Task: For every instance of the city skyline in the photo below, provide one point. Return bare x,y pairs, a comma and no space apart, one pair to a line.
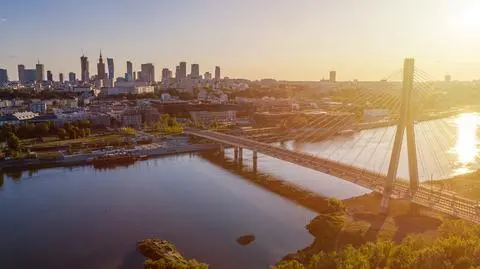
285,41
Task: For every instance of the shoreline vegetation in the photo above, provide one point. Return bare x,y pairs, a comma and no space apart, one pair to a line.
466,185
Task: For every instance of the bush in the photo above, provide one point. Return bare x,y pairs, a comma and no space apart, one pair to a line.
335,206
458,247
293,264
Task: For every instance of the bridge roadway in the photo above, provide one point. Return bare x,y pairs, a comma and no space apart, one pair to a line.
434,199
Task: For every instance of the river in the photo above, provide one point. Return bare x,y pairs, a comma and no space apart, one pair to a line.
86,218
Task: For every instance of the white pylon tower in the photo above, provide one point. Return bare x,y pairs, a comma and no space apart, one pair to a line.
405,123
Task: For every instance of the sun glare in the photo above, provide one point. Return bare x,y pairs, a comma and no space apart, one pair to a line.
466,145
468,21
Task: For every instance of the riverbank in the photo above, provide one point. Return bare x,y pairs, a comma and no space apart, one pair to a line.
361,226
467,186
150,151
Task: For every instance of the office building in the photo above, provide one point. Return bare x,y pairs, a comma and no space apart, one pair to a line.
71,77
217,73
38,107
333,76
21,73
195,71
40,76
166,74
30,75
85,74
177,72
130,76
207,76
111,69
228,117
139,76
148,73
100,68
60,77
183,70
49,76
3,76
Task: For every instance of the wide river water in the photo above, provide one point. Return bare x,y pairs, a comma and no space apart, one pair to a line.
86,218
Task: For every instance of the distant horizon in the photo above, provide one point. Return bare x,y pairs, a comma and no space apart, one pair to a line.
363,40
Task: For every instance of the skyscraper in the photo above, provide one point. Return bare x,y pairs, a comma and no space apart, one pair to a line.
40,76
177,72
448,78
85,75
333,76
148,73
21,73
195,71
130,71
111,69
139,76
165,74
3,76
100,68
71,77
183,70
60,77
30,75
49,76
217,73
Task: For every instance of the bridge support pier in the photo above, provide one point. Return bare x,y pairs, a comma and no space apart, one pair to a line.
221,150
240,156
235,154
254,158
405,123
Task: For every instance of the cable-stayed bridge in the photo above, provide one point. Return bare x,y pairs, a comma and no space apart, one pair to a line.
408,107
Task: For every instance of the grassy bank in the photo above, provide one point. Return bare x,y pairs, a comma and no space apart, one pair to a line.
467,185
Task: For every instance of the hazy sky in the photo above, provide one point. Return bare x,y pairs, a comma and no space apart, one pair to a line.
282,39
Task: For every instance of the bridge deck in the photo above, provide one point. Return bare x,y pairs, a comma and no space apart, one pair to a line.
435,199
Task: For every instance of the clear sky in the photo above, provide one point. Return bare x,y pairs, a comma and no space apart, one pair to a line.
282,39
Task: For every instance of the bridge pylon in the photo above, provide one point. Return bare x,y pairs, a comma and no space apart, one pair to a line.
405,125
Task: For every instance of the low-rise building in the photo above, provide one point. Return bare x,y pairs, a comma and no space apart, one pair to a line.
17,117
127,90
5,103
38,107
150,115
132,118
228,117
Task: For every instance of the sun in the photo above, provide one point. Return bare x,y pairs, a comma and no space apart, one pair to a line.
468,20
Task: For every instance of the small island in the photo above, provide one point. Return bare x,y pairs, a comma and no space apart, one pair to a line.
161,254
246,239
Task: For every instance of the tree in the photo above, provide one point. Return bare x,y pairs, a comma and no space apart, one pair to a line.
293,264
13,142
41,129
323,260
83,133
335,206
72,134
62,134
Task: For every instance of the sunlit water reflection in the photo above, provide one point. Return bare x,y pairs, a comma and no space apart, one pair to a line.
445,148
466,147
